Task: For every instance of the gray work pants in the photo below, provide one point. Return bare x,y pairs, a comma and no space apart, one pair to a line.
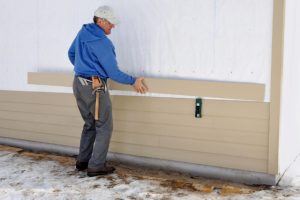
96,134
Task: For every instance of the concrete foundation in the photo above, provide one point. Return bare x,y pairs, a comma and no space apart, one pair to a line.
196,170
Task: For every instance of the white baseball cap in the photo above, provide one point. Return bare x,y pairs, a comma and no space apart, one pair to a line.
107,13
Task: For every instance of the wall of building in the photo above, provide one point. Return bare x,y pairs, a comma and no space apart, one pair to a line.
228,40
220,40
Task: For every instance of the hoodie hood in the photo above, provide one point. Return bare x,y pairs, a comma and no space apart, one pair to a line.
91,32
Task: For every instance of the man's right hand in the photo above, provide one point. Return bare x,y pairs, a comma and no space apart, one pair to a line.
140,86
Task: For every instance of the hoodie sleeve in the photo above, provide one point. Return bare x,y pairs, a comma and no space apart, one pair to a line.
71,52
106,56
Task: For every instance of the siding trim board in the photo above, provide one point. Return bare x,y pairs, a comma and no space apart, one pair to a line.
217,89
276,82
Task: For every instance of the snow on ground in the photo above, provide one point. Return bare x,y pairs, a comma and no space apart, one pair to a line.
28,175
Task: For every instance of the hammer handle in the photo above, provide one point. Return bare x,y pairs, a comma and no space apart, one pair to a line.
97,106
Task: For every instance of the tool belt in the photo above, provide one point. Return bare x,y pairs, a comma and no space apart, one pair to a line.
98,85
95,81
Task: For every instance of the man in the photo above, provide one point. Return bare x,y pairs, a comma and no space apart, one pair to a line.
94,60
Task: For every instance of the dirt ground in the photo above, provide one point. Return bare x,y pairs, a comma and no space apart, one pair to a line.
156,184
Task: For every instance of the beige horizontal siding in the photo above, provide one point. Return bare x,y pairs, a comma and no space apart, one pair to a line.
39,137
224,123
61,110
240,137
41,118
50,129
258,165
231,134
43,98
215,147
229,90
246,109
234,129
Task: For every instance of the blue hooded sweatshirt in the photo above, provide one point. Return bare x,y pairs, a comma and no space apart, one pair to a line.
92,53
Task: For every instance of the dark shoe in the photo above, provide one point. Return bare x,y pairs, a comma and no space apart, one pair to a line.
102,171
81,165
